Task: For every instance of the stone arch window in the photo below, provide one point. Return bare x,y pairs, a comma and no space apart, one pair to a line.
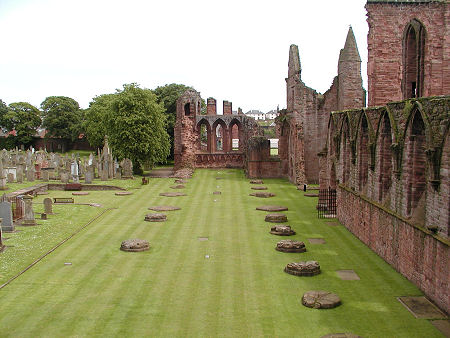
204,131
219,136
384,157
413,59
187,109
345,153
332,180
199,108
414,163
363,153
235,135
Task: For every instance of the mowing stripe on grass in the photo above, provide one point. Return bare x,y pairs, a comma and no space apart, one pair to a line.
53,249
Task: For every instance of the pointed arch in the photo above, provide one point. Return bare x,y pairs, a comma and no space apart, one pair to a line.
345,153
204,135
414,162
220,137
384,160
236,134
363,152
413,59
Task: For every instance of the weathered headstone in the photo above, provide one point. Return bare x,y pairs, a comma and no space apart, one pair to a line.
6,216
28,218
30,174
88,176
48,206
64,177
10,178
45,175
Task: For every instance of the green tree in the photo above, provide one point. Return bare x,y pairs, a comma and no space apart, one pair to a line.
24,119
94,122
62,117
136,127
3,111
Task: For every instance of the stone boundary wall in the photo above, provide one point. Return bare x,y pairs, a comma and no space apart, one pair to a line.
418,254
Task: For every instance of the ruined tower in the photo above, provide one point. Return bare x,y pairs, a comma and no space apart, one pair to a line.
351,93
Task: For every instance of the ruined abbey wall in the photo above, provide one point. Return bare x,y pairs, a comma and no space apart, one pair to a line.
390,166
205,141
302,128
388,49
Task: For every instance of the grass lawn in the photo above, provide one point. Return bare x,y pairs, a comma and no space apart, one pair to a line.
174,290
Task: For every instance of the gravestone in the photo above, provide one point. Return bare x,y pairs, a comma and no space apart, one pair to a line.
30,174
10,178
6,216
45,176
19,174
88,177
64,177
28,218
48,206
127,166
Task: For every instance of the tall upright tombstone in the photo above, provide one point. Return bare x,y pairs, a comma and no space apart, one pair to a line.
88,176
48,206
6,216
2,177
28,218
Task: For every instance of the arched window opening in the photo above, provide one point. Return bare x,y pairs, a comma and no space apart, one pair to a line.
363,153
345,154
415,163
413,60
333,177
187,109
384,158
235,135
219,138
204,139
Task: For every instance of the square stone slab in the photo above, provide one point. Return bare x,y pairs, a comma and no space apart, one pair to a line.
443,326
333,223
316,240
202,239
421,307
347,275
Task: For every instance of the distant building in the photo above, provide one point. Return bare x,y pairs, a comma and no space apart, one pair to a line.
259,115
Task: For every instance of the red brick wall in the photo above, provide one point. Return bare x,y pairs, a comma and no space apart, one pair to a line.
227,108
387,24
211,108
415,253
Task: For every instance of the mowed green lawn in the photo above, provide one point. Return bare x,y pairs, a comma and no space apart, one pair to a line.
174,290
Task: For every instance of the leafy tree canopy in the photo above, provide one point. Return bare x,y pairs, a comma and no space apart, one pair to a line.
136,126
3,111
24,119
95,115
62,117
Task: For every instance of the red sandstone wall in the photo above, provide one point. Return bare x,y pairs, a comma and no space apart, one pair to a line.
387,23
415,253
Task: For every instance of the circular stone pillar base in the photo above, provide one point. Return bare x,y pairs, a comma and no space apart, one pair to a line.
307,269
287,245
134,245
320,300
282,230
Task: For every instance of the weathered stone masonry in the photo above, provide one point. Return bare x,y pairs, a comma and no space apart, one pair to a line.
205,141
391,168
408,42
302,128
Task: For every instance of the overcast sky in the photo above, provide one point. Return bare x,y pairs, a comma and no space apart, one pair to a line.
230,50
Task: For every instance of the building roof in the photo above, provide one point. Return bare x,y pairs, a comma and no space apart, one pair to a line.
405,1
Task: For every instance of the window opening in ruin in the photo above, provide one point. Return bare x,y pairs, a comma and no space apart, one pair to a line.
413,60
219,138
384,158
187,109
415,163
363,153
204,141
235,130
